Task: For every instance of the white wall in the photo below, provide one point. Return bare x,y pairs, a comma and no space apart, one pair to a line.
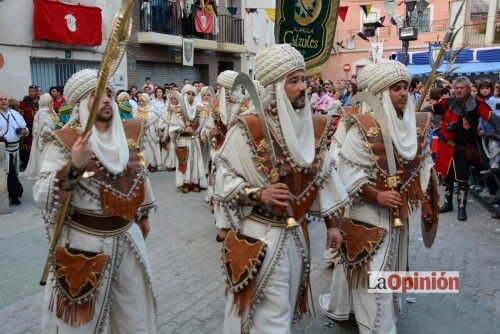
17,44
256,43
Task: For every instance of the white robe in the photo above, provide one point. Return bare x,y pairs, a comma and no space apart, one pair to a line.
283,268
195,172
124,302
44,122
153,127
374,312
168,157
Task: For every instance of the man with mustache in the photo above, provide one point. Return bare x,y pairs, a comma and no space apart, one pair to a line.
254,195
101,256
458,148
371,241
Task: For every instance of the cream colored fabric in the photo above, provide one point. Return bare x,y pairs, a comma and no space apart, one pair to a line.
226,79
277,61
123,97
110,147
378,77
374,312
403,131
153,128
43,123
80,84
131,308
235,170
296,126
188,88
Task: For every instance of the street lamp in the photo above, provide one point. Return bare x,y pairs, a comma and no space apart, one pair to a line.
410,33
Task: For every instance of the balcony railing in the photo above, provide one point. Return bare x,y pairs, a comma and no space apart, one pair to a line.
167,19
474,34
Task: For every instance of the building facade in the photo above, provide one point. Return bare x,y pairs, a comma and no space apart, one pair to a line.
25,61
479,21
156,47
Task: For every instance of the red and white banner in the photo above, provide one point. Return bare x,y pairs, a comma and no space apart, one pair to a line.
67,23
204,22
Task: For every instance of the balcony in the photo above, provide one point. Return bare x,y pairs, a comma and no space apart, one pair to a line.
165,26
475,33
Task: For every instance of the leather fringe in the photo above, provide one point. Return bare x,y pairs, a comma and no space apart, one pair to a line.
73,313
411,196
120,206
357,276
243,298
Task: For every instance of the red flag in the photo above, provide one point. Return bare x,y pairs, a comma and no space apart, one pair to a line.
67,23
204,22
343,12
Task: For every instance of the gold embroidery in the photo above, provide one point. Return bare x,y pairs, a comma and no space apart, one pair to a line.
263,146
368,145
274,175
373,132
132,144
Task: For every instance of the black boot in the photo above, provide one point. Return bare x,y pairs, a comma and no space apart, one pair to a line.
448,200
462,203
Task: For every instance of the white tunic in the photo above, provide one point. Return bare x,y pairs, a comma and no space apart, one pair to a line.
374,312
45,121
124,302
283,270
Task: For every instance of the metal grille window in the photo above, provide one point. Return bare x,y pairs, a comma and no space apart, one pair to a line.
46,73
421,20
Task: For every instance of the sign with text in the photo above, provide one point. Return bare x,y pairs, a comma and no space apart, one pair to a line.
309,26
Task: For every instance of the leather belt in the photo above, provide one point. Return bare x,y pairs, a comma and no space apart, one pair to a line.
265,216
98,224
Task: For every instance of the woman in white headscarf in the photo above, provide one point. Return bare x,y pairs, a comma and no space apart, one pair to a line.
153,130
45,121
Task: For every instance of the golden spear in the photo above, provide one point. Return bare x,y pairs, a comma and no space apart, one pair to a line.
112,57
445,45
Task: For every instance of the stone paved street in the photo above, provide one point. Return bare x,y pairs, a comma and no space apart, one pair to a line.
189,282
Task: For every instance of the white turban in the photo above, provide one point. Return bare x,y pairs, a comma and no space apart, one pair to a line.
45,101
188,88
110,146
379,77
80,84
226,79
277,61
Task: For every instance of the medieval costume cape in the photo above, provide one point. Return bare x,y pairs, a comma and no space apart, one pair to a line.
153,127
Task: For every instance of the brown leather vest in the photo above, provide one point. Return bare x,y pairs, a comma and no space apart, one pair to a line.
407,171
303,184
120,194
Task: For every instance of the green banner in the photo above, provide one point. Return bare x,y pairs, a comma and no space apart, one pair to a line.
309,26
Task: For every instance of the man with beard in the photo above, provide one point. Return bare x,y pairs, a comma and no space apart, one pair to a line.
12,129
458,148
371,239
100,280
257,199
29,106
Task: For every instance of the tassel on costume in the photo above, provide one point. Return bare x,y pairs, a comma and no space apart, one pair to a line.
120,206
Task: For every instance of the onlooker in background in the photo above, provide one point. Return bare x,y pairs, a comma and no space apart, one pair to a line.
187,82
15,105
12,128
352,89
174,87
146,15
148,84
323,103
414,88
158,103
354,79
328,86
473,90
57,97
29,106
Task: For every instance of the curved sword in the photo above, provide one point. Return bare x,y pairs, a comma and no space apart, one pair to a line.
244,81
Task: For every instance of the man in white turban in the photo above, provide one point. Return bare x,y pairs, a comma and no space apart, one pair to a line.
254,196
184,129
45,121
100,280
372,239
